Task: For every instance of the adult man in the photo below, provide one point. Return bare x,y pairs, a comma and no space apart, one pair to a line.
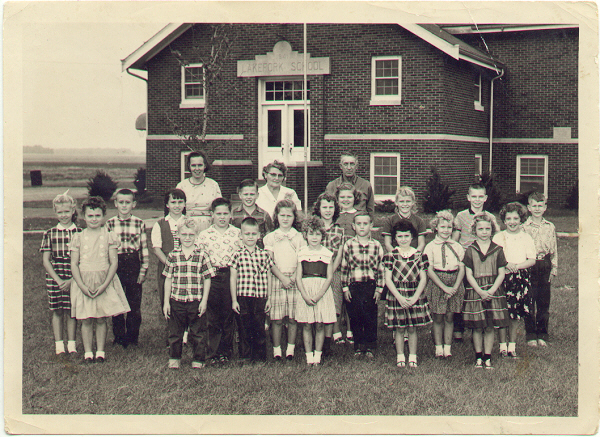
349,164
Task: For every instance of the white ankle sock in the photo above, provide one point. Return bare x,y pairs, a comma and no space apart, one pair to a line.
276,351
349,334
447,349
337,335
87,355
317,355
60,346
100,354
310,358
412,357
503,347
400,358
512,347
290,349
71,346
439,349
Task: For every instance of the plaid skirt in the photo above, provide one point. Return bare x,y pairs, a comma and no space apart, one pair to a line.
438,300
398,317
492,313
336,289
283,301
518,296
57,298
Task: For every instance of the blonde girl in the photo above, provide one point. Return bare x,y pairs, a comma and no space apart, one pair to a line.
57,262
96,292
406,208
313,276
445,291
520,252
485,300
283,244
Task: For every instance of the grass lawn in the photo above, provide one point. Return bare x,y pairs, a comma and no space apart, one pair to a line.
136,380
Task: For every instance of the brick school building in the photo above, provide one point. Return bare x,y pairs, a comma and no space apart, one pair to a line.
403,98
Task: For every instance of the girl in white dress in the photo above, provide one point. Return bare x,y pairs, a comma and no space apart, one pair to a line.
313,276
96,292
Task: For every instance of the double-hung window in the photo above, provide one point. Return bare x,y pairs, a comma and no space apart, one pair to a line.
477,93
532,173
385,175
192,86
386,80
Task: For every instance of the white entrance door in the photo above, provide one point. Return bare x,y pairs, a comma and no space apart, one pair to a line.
281,122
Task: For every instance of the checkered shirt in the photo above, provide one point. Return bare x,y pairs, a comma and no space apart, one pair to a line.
265,224
219,246
132,233
334,237
361,263
253,270
57,239
188,274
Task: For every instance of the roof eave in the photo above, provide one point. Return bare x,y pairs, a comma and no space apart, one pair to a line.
138,59
463,30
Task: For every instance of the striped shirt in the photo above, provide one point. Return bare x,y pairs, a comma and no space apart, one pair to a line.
132,233
188,273
361,263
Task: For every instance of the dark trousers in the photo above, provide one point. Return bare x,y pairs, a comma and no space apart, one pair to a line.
184,315
253,340
161,298
536,322
126,327
220,316
362,310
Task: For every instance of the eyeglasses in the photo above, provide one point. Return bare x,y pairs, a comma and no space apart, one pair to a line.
276,175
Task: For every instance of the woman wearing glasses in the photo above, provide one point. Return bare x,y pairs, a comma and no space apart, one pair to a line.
272,192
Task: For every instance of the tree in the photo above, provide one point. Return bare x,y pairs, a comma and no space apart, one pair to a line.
437,196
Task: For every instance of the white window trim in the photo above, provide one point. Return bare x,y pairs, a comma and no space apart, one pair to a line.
191,103
184,154
546,176
480,156
381,197
385,100
477,103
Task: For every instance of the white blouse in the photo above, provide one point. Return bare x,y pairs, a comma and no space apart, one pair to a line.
267,201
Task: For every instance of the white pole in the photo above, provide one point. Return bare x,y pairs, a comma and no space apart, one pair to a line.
304,97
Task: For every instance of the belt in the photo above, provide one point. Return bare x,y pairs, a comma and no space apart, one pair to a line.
446,271
223,270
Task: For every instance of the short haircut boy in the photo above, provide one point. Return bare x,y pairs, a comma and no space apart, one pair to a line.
537,196
249,221
220,201
126,192
363,214
477,186
247,183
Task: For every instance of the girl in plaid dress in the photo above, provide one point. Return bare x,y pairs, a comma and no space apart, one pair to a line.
283,244
57,262
485,299
520,253
445,291
96,292
405,277
327,208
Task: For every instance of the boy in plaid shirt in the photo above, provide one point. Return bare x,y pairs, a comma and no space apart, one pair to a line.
187,283
362,283
250,288
133,264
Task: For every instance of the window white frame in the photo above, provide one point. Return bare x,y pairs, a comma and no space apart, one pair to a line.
477,103
381,197
519,174
184,171
192,102
478,164
385,99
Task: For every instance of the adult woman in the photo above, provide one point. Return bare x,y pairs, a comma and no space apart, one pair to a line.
199,190
272,192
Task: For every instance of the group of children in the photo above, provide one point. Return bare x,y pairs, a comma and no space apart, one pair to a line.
247,266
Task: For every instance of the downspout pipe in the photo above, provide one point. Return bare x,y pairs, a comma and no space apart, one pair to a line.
492,115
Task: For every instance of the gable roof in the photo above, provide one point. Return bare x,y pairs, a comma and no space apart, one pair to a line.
431,33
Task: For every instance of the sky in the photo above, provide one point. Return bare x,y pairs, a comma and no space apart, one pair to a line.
74,92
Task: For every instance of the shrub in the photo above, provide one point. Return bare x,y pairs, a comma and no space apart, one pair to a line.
494,201
573,197
140,181
438,194
102,184
385,206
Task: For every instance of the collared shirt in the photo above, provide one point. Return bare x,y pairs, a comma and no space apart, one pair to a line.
253,270
463,222
220,246
285,247
265,223
544,238
361,263
366,201
156,235
188,273
56,240
132,233
405,267
449,259
484,264
417,222
334,238
199,196
267,201
517,247
345,220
